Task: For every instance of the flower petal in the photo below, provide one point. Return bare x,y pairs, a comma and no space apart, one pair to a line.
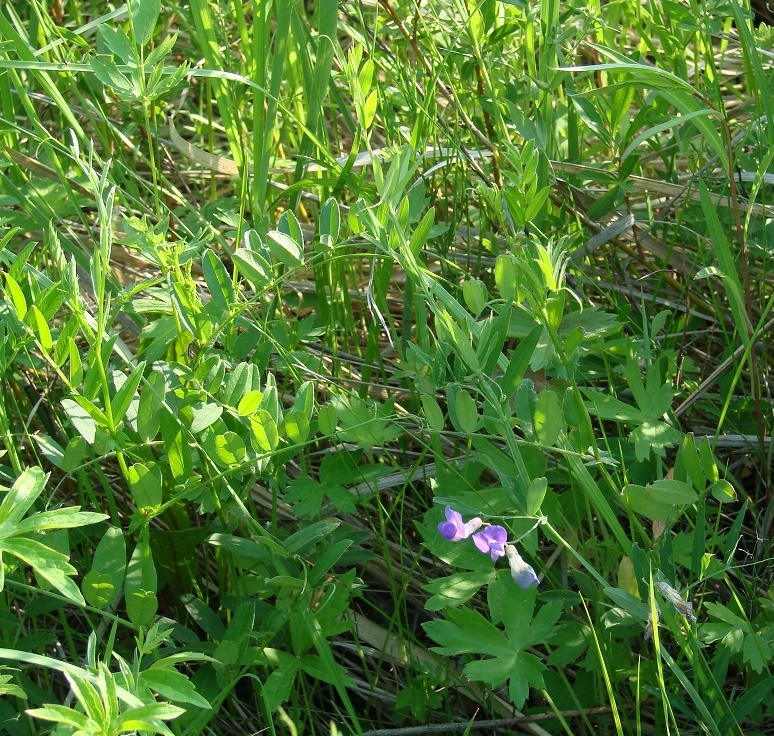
471,526
523,574
481,542
447,530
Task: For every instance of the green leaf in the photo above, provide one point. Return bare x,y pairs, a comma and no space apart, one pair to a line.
750,699
475,295
365,423
17,296
263,431
535,495
139,719
144,14
723,491
727,264
52,450
465,632
150,407
145,483
285,249
422,232
329,223
506,470
204,415
140,585
656,129
98,589
454,590
519,362
536,204
107,72
66,518
279,684
629,603
432,412
707,459
464,411
296,427
756,652
229,450
123,397
81,419
23,493
449,329
660,499
289,225
172,685
47,563
506,278
178,451
254,266
549,419
74,453
249,403
327,419
689,457
118,43
218,281
305,495
654,436
61,714
41,328
341,498
608,407
302,540
491,340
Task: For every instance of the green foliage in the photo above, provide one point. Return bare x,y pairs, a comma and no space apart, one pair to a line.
467,632
246,366
20,536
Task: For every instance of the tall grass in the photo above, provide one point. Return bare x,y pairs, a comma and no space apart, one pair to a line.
284,282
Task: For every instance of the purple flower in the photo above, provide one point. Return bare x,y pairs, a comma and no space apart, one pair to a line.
491,541
454,528
522,573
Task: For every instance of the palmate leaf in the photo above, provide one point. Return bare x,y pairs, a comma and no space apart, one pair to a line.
468,632
515,609
465,632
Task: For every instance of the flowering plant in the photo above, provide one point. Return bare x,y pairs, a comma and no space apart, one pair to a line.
454,529
492,540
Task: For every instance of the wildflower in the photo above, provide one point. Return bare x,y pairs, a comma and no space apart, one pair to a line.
522,573
491,541
454,528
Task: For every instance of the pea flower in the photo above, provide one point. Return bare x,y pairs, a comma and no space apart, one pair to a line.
454,529
522,573
491,541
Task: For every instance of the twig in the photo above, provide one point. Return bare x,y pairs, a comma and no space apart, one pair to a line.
480,725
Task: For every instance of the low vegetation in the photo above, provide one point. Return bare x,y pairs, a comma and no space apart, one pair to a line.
386,367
